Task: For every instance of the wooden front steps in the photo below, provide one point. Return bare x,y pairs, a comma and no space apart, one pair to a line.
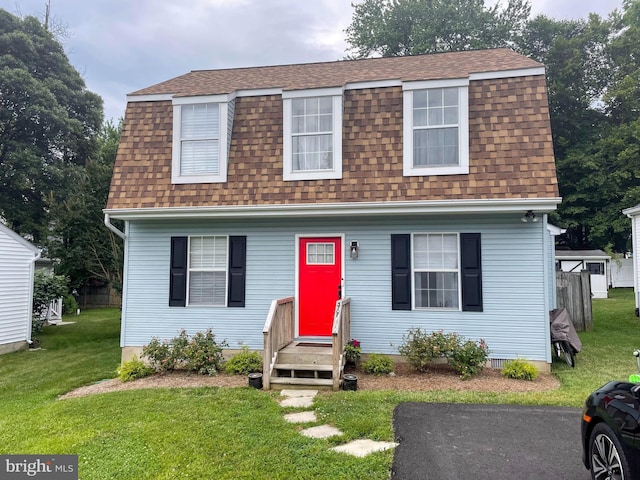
303,366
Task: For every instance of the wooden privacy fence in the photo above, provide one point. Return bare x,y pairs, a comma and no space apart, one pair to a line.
574,293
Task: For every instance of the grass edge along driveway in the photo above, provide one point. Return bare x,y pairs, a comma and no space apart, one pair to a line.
240,432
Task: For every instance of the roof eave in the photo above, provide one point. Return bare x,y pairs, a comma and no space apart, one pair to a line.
538,205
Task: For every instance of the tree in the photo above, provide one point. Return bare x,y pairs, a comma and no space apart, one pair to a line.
408,27
87,251
48,124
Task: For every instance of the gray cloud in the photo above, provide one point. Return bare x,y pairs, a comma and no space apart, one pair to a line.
122,45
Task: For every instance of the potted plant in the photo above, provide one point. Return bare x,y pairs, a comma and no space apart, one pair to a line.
352,352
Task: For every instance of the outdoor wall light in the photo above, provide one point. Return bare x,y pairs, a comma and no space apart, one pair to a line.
353,249
529,217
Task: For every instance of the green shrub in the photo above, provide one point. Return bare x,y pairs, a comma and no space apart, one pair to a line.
47,287
134,368
69,305
244,363
378,364
519,369
200,353
469,358
421,348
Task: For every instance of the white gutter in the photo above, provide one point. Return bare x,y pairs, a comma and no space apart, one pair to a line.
112,227
631,212
538,205
33,269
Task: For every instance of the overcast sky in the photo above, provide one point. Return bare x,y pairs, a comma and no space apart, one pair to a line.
120,46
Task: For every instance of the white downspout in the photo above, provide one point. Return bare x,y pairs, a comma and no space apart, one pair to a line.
33,269
112,227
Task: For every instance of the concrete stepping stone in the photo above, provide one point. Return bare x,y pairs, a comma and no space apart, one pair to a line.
298,398
362,448
297,402
298,393
302,417
322,431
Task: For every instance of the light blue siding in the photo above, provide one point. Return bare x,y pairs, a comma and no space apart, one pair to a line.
514,320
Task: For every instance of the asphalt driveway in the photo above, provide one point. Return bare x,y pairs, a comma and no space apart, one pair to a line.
492,442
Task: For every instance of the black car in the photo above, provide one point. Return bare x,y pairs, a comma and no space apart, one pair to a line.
611,432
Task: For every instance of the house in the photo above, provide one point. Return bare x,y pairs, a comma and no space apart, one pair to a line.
17,262
634,214
595,261
309,204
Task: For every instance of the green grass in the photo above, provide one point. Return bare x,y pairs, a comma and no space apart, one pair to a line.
238,432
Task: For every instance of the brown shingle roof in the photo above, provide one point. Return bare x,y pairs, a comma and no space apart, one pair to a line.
510,148
336,74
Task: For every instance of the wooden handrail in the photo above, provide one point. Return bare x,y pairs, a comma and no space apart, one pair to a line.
340,335
278,333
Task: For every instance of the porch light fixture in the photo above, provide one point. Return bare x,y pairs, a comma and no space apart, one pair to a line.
353,249
529,217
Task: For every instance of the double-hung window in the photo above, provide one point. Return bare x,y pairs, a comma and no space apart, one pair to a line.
208,270
436,270
436,127
201,127
312,134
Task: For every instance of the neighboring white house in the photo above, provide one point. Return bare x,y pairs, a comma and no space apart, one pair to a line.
634,214
17,259
596,261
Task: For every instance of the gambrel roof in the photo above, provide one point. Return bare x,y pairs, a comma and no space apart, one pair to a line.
510,145
340,73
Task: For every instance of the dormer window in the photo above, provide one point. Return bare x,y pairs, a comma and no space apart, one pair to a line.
201,129
312,134
436,127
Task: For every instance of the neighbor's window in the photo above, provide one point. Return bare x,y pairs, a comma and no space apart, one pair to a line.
436,270
436,135
312,135
595,268
200,139
208,270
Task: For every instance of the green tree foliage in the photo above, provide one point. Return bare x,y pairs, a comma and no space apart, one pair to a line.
48,123
405,27
46,288
87,250
593,76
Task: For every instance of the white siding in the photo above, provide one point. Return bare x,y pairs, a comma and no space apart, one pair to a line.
635,239
16,287
514,321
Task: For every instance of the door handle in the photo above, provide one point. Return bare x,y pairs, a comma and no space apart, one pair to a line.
339,291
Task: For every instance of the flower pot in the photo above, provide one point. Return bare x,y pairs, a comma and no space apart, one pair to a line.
255,380
349,382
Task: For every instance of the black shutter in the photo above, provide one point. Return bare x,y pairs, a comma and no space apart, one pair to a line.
178,272
237,270
401,272
471,272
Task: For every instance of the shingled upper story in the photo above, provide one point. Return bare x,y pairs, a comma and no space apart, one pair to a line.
442,127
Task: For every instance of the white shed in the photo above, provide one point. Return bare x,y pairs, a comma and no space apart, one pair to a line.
634,214
17,261
596,261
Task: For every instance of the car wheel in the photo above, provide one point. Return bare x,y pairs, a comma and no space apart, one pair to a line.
607,457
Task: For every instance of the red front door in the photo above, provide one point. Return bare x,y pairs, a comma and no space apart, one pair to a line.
319,281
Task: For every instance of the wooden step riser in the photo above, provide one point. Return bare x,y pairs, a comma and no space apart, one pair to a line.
305,358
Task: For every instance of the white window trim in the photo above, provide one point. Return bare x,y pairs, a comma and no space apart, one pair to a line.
223,110
226,273
413,273
336,171
463,128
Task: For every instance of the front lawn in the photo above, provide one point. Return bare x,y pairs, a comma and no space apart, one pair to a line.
238,432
